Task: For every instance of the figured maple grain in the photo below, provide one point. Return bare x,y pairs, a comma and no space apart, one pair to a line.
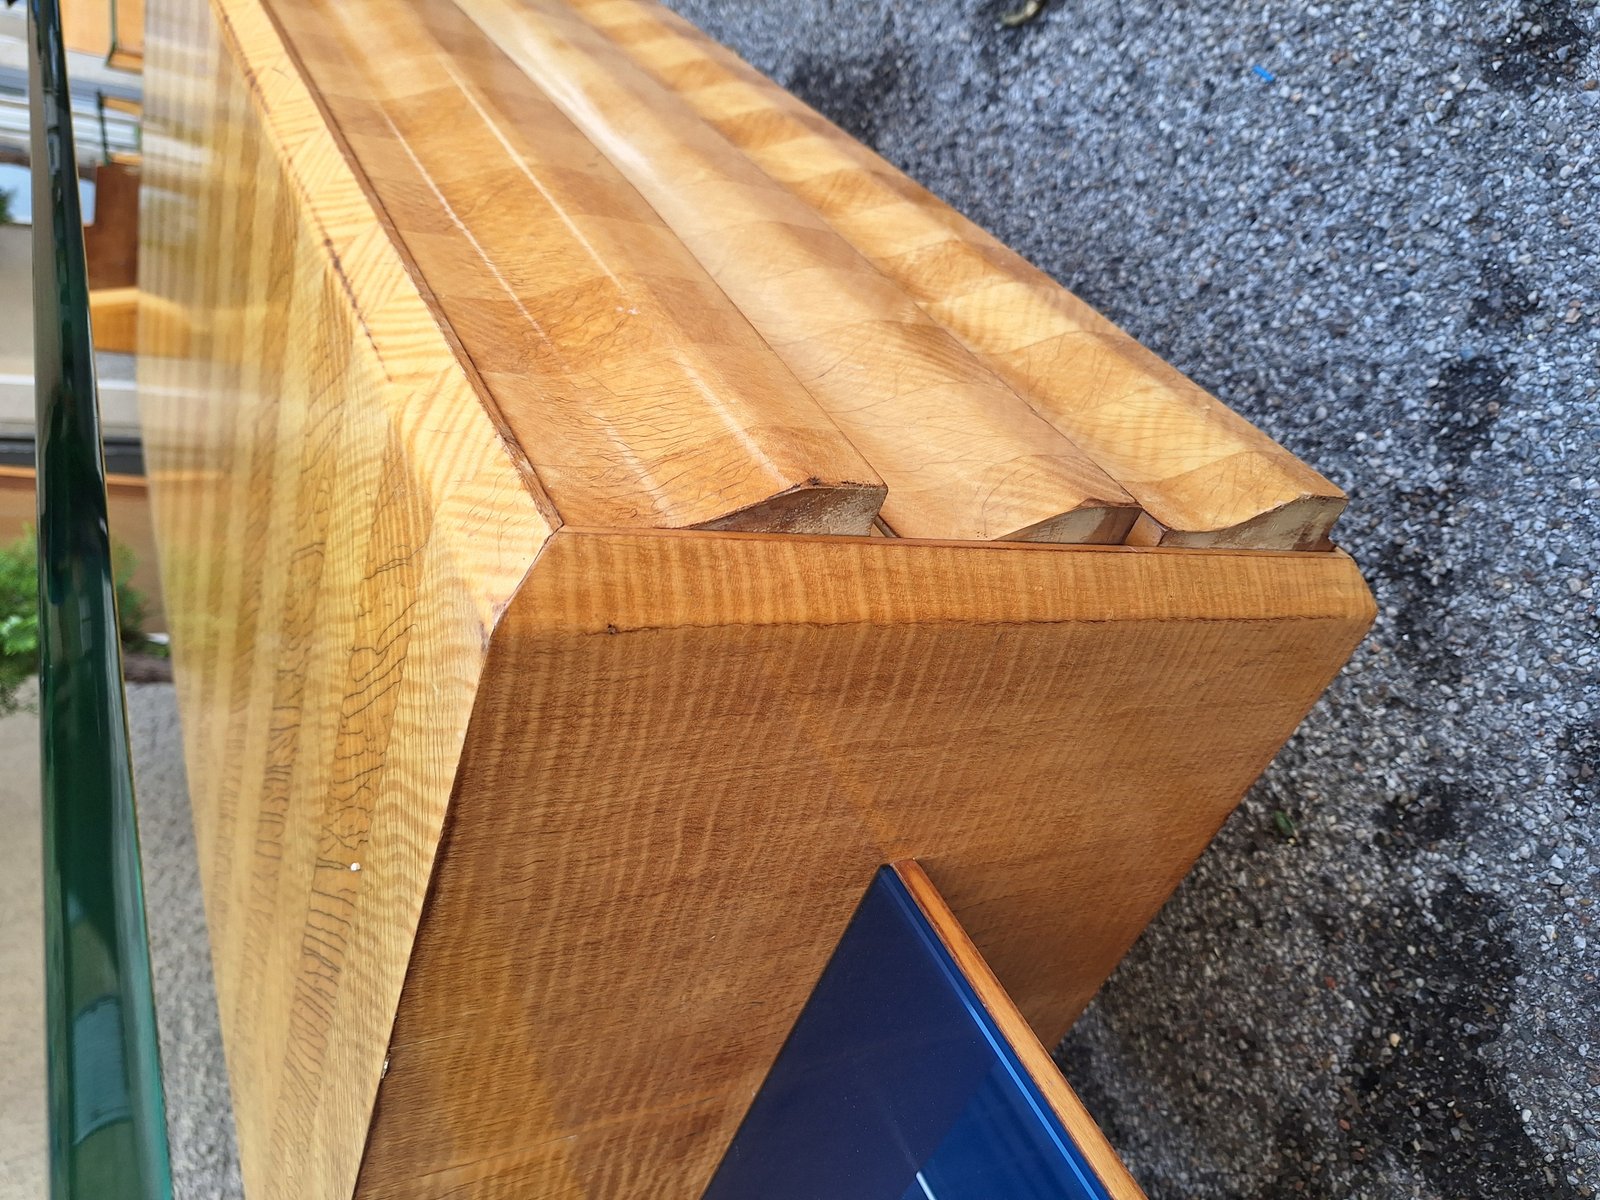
963,456
645,873
399,680
1202,474
1106,1164
340,523
638,392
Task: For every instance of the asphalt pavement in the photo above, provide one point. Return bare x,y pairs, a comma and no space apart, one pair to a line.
1374,229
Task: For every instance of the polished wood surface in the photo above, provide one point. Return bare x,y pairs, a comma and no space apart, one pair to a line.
477,792
1107,1165
732,733
963,456
639,393
341,521
1203,475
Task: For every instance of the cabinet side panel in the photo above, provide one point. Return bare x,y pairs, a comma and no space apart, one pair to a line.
690,754
339,525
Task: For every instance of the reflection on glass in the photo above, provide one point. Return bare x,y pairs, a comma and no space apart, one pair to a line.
107,1125
895,1084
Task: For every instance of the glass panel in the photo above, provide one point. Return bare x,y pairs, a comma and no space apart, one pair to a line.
895,1084
107,1126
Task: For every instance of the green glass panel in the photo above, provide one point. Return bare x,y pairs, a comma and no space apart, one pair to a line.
108,1136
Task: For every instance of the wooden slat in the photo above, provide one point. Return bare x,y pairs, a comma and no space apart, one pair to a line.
1107,1164
162,327
109,29
1204,475
640,395
1055,731
962,454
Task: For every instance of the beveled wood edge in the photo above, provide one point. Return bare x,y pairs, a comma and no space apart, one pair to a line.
1303,525
322,177
1082,583
1102,1157
1329,552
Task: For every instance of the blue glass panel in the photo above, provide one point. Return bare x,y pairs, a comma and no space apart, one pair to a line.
895,1084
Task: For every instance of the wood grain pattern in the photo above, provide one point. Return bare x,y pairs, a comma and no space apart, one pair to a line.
962,455
1104,1161
1203,475
160,327
640,395
1055,731
341,521
475,790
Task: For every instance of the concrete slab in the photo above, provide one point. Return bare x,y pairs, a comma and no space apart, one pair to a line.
22,1119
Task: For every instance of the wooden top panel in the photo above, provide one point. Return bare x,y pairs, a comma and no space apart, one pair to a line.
1203,474
1055,731
639,394
963,456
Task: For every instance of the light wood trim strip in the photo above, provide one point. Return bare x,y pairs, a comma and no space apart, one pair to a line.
639,393
962,454
1057,1092
1204,475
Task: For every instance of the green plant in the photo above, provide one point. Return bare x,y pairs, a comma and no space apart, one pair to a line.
19,614
5,207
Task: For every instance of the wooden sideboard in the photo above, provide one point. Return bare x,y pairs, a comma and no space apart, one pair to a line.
593,544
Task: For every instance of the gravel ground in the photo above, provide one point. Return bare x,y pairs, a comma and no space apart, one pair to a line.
205,1158
1374,228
